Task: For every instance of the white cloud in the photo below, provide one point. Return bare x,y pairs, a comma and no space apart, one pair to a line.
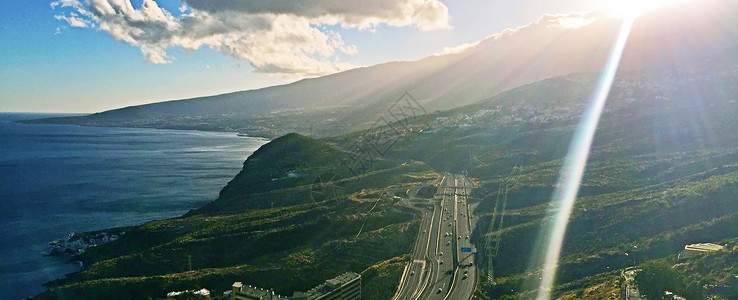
544,26
572,21
458,48
425,14
275,36
73,20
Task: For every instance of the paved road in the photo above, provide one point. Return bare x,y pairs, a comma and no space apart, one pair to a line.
438,267
465,273
416,272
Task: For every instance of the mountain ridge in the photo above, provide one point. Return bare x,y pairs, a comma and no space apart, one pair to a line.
541,50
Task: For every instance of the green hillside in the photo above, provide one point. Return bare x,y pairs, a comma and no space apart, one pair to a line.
663,172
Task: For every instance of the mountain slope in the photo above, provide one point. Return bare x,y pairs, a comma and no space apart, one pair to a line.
662,172
679,37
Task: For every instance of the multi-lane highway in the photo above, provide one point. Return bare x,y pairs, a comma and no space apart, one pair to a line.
442,266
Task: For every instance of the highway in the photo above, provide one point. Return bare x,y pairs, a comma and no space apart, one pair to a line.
465,273
440,270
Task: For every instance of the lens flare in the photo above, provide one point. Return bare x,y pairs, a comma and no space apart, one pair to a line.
576,159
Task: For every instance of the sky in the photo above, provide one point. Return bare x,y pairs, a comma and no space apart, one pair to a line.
86,56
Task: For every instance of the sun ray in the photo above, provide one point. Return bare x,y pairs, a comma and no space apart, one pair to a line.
635,8
575,162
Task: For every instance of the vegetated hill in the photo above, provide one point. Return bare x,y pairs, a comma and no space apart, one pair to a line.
663,172
281,163
289,248
296,169
550,47
685,277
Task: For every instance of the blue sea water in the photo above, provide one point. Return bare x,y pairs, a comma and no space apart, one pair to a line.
57,179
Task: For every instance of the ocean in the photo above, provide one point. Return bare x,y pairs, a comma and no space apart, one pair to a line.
57,179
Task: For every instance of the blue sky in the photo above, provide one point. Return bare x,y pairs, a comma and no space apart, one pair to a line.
87,70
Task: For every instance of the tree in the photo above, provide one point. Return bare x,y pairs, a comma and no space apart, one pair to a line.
657,277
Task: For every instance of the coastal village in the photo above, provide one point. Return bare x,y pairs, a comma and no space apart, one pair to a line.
75,244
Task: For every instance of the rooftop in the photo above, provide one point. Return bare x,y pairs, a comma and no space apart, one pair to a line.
253,292
704,247
332,284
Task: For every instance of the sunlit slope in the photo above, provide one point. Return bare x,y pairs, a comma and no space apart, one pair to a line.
663,172
672,39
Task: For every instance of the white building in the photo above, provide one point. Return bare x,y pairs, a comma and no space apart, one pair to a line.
699,249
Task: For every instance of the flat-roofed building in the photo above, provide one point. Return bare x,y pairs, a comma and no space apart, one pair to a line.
346,286
241,292
699,249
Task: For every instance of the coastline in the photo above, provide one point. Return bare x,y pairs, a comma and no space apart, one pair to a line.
50,121
71,206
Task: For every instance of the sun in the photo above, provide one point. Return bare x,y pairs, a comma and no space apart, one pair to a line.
635,8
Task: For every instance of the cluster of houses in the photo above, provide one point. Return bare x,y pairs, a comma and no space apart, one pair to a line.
75,244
